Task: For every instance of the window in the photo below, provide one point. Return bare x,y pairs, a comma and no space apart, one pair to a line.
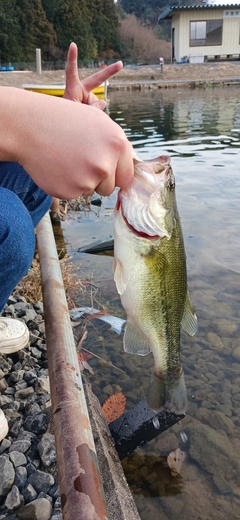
231,14
206,32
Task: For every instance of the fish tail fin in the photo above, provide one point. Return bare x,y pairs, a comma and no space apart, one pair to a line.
168,392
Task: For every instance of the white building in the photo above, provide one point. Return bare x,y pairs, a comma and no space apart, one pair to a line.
202,33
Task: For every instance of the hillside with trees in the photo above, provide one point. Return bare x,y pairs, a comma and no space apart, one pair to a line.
148,10
102,29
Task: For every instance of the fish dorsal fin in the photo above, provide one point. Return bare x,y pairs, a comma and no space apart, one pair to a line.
189,319
133,342
118,278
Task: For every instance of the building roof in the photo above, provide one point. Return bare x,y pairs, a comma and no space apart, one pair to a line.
170,11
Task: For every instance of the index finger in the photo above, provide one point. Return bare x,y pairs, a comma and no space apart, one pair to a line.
96,79
72,63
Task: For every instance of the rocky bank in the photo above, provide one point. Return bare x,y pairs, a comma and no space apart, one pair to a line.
28,473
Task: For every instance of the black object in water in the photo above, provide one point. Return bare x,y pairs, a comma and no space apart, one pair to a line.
98,247
138,426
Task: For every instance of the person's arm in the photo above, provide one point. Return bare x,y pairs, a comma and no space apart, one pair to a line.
67,148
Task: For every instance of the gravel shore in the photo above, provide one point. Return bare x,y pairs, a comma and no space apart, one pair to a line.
28,471
186,73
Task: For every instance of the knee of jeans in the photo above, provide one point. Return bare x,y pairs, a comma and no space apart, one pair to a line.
17,239
21,252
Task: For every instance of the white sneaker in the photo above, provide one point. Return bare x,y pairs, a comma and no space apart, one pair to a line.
14,335
3,426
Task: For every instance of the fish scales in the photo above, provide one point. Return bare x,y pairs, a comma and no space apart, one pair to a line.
167,281
150,275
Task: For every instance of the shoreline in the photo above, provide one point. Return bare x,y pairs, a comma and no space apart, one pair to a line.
187,83
141,77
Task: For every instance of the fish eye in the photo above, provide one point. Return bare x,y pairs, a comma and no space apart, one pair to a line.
171,184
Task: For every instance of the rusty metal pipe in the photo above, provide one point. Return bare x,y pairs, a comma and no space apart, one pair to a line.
82,495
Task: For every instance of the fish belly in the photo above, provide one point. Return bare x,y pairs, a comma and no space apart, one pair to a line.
143,298
154,301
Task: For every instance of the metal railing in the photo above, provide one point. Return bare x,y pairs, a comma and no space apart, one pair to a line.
81,490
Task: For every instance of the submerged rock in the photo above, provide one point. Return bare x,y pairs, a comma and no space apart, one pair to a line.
236,353
214,452
215,342
222,485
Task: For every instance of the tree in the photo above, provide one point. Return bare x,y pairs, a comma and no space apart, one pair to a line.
104,23
71,23
50,6
148,10
141,43
9,31
35,31
143,9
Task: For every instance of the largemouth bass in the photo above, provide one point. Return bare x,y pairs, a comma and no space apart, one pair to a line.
150,276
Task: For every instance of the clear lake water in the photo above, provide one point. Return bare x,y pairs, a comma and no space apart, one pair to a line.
200,130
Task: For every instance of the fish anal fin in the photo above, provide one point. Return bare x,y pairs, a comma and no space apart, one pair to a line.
189,319
133,342
119,278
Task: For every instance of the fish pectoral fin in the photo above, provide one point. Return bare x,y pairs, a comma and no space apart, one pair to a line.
133,342
189,319
119,278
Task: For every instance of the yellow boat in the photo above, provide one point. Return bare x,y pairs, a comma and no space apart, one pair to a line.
58,90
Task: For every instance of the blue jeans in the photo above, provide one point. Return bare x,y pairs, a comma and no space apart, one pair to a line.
22,205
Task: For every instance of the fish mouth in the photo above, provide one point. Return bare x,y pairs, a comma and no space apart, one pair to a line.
144,203
138,233
141,234
146,172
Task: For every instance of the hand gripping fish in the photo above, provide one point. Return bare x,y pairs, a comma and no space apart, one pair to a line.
150,276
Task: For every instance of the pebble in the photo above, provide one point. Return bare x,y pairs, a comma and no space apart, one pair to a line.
46,448
28,475
215,341
220,421
20,477
7,475
29,493
36,423
226,327
14,499
41,481
222,485
39,509
17,458
236,353
218,456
